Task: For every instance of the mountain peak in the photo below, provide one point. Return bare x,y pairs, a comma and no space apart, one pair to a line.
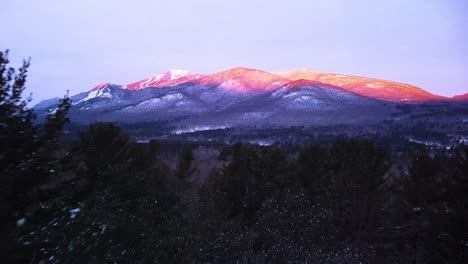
100,86
241,70
177,73
167,79
245,79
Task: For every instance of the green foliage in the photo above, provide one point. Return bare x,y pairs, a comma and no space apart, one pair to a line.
185,166
127,213
313,167
321,207
324,204
16,129
248,178
27,152
358,174
432,208
104,151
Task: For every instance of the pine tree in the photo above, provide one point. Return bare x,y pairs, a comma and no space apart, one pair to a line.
185,167
26,150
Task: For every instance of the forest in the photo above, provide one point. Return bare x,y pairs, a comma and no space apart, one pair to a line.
104,198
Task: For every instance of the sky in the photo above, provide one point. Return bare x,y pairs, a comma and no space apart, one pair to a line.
77,44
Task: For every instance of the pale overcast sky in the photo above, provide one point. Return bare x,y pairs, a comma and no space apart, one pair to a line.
77,44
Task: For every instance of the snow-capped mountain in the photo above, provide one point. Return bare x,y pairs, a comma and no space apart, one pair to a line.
242,96
167,79
244,80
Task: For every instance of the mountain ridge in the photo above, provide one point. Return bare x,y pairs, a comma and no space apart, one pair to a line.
169,78
243,79
371,87
461,97
243,97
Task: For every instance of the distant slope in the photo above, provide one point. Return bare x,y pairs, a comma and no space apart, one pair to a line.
462,97
375,88
47,103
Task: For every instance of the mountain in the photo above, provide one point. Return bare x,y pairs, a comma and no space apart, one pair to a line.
47,103
462,97
167,79
375,88
243,97
244,80
247,80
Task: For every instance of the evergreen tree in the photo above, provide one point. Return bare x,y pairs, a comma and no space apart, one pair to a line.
185,166
433,208
358,174
26,151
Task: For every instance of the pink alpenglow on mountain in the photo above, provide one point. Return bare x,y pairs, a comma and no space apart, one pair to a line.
251,80
462,97
244,80
304,83
100,86
167,79
374,88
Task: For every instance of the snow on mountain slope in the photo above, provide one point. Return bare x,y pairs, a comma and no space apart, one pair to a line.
243,96
252,80
303,94
167,79
100,86
103,92
244,80
167,104
379,89
307,105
